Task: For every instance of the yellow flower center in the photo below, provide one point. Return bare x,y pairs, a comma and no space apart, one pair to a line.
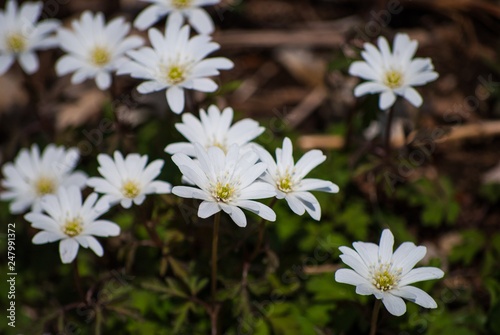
181,4
384,279
285,184
45,186
175,74
393,79
16,42
223,192
130,189
73,227
100,56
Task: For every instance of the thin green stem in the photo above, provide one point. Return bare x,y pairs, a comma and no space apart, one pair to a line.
262,227
388,127
77,280
215,240
376,309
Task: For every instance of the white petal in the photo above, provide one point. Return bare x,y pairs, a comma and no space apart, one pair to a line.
150,86
413,96
362,70
103,80
175,98
103,228
5,63
395,305
348,276
261,210
387,99
236,214
309,161
295,204
207,209
149,16
46,237
385,246
201,21
420,274
204,85
407,263
352,259
29,62
365,289
311,184
415,295
68,249
190,192
368,88
95,245
367,251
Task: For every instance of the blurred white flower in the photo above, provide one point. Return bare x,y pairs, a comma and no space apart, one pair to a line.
214,130
33,176
176,62
287,178
21,36
226,182
128,180
72,222
392,73
379,271
95,49
197,17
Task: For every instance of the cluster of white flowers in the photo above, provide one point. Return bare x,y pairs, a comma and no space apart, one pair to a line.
229,170
48,183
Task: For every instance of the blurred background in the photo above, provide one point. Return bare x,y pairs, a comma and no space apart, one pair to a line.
439,189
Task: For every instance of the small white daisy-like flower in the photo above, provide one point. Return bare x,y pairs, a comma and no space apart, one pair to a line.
71,222
392,73
175,63
287,178
377,270
32,176
128,180
197,17
214,129
21,35
226,182
95,49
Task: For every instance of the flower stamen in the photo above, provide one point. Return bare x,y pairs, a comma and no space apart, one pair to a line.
384,278
181,4
16,42
45,186
223,192
393,79
73,227
100,56
130,189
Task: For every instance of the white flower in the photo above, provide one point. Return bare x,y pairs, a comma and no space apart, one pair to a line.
214,129
176,62
95,49
287,178
196,16
226,182
379,271
392,73
20,36
72,222
31,176
129,179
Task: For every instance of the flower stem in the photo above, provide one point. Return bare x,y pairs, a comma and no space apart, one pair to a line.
376,309
215,239
261,233
77,280
388,127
